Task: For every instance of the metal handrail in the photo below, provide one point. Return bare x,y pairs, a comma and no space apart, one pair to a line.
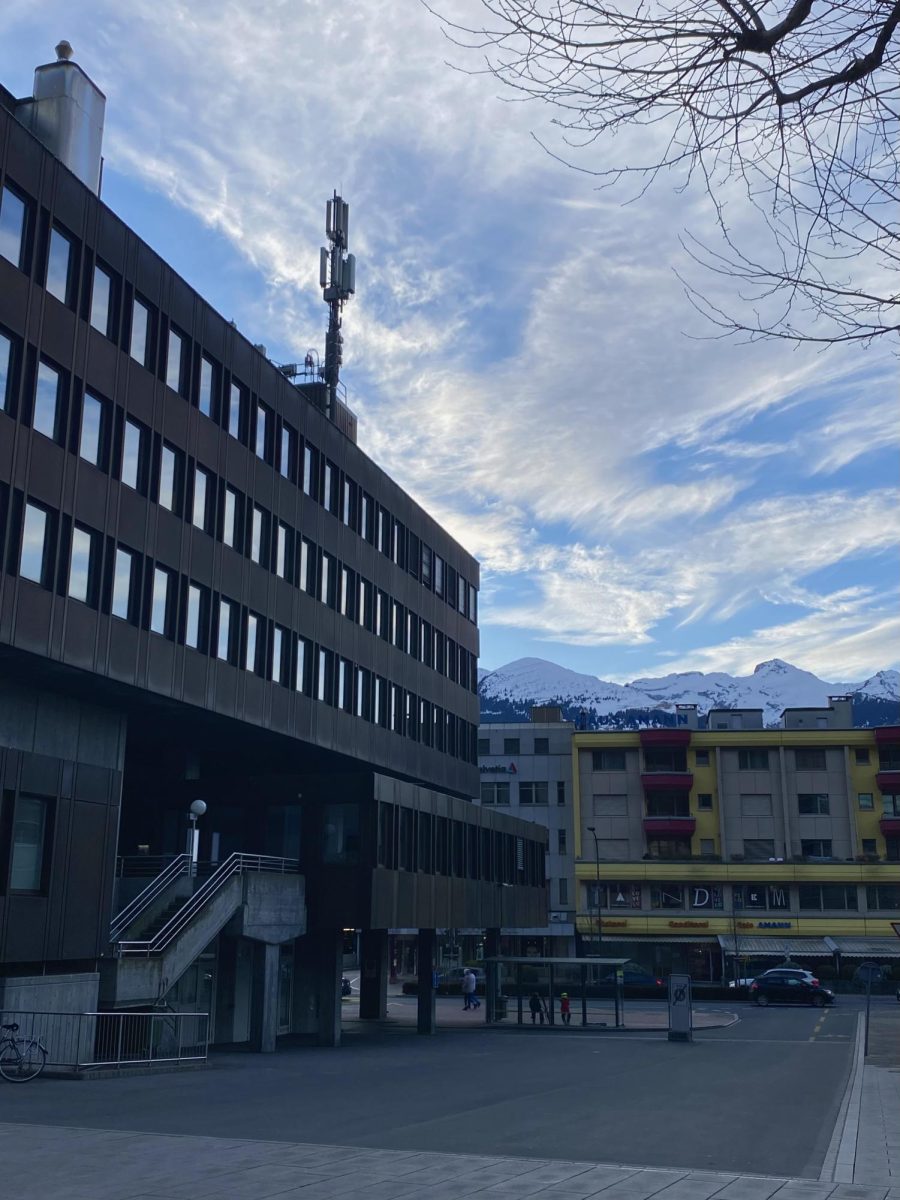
235,864
177,867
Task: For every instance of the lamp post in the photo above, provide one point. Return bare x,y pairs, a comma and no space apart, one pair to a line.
197,809
592,830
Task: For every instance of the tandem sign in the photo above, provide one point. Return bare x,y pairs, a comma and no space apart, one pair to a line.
512,769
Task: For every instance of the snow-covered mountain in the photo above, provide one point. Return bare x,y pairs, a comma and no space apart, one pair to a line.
509,692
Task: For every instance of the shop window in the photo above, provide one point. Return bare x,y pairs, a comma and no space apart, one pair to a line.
30,849
667,895
702,897
760,896
883,897
13,227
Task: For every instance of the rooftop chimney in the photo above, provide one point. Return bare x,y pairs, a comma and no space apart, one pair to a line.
66,114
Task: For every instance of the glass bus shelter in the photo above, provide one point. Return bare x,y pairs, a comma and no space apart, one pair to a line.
534,991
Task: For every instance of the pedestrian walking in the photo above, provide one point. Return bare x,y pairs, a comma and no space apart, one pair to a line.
565,1009
468,985
537,1009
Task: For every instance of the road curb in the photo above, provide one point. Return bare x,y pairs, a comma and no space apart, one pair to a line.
841,1154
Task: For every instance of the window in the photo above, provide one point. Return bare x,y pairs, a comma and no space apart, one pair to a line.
59,266
132,455
707,846
889,758
223,644
79,586
761,896
701,758
325,680
250,648
533,793
168,478
809,760
261,430
704,801
122,576
756,806
91,427
862,757
665,758
33,560
6,372
865,801
365,517
101,298
329,487
560,792
230,522
495,793
205,397
235,404
139,345
304,666
159,601
345,593
609,760
175,360
326,580
202,492
828,896
287,451
348,501
256,534
812,804
890,805
668,803
753,760
510,745
541,745
279,646
561,841
759,849
883,897
46,400
12,226
29,843
563,892
815,847
484,745
307,566
869,846
667,895
310,472
192,624
281,554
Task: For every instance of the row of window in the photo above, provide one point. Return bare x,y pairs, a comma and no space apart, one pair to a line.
155,468
675,803
525,792
121,581
160,347
409,840
673,758
752,849
765,897
513,745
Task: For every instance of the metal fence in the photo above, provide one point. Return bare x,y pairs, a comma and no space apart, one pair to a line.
83,1042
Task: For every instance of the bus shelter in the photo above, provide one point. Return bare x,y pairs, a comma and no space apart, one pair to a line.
531,991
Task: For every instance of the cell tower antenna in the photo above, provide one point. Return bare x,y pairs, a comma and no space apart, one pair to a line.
337,278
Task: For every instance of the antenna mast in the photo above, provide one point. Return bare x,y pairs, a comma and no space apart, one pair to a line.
337,279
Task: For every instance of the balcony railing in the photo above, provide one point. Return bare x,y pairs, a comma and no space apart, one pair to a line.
669,826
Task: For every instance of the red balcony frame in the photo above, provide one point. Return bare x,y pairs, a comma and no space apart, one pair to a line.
665,737
664,781
669,826
890,826
887,735
888,782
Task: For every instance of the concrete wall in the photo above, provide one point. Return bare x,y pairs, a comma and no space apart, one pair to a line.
50,993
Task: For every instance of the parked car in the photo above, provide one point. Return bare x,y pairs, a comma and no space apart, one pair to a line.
869,973
784,987
740,983
788,972
635,976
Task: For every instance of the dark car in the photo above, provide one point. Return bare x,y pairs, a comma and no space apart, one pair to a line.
789,987
635,976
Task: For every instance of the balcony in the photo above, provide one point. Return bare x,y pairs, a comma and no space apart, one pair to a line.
890,826
659,781
886,735
669,826
665,737
888,782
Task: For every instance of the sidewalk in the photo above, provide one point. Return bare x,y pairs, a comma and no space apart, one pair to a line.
43,1162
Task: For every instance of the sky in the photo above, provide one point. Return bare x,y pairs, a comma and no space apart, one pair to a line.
643,497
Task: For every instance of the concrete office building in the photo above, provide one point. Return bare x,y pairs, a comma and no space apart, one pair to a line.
210,593
526,769
740,842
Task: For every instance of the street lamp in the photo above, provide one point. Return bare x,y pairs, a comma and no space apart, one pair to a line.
592,830
197,809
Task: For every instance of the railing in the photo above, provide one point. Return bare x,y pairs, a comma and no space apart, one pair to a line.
77,1042
177,867
236,864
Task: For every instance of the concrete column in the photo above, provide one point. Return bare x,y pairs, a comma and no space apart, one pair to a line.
264,1004
425,982
317,986
492,974
373,973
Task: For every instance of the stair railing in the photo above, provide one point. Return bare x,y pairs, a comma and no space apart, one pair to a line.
235,864
142,901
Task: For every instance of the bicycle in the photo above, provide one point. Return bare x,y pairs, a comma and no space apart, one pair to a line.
21,1059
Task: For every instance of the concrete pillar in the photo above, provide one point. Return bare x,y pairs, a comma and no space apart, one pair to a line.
264,1004
425,981
373,974
317,986
492,974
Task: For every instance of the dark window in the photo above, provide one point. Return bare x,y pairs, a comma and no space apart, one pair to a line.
753,760
667,895
532,793
7,373
883,897
862,756
340,833
560,792
701,758
704,801
484,745
812,804
510,745
561,841
815,847
668,804
869,846
759,849
541,745
889,757
609,760
495,793
30,844
665,758
809,760
669,847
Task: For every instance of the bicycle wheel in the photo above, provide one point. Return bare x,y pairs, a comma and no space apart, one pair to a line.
21,1062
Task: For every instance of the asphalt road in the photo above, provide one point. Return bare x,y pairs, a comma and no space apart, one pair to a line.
760,1096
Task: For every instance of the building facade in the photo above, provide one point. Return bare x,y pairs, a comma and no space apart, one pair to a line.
526,769
210,593
700,849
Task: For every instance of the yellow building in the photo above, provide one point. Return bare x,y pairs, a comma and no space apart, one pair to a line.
701,850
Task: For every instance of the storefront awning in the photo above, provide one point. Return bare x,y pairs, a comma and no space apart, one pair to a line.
767,947
872,947
688,939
